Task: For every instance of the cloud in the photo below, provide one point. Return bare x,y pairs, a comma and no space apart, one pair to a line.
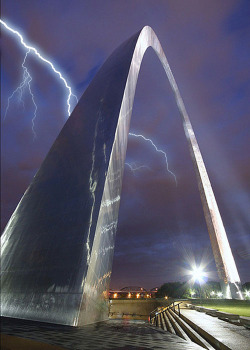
203,43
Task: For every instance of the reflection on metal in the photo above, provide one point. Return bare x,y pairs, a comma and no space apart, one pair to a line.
57,248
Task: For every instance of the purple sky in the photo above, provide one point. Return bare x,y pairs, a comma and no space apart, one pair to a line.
207,44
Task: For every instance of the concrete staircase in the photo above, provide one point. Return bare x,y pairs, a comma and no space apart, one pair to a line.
209,328
171,320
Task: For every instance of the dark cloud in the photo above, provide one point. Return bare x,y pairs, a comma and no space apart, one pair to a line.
207,47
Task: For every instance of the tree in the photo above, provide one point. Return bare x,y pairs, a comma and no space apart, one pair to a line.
246,286
172,290
210,289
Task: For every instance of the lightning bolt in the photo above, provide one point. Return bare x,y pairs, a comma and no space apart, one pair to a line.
133,167
27,77
25,83
157,150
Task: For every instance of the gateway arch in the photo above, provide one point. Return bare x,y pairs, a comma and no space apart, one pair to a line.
57,247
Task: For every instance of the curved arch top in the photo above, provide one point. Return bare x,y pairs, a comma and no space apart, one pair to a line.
57,248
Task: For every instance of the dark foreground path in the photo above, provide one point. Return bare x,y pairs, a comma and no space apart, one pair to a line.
112,334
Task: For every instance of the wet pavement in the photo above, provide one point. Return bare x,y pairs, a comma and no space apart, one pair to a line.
111,334
233,336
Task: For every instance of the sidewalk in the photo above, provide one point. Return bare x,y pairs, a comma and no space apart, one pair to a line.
233,336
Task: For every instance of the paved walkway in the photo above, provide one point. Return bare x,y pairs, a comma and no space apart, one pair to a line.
112,334
233,336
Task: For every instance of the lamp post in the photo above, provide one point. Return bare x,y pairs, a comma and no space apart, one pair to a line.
197,276
192,293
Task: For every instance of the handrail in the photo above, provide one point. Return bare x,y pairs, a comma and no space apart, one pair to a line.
174,305
155,310
170,306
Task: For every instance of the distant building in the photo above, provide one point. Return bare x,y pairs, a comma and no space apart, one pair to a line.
133,292
153,292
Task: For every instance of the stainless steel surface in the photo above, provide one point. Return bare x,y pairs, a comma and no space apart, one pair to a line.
57,248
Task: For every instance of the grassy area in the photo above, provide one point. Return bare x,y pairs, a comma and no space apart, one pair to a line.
238,307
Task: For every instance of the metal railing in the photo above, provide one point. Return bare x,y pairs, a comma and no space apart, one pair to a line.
160,310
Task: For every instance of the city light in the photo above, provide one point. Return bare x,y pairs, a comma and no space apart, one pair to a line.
129,295
166,297
115,295
138,295
192,293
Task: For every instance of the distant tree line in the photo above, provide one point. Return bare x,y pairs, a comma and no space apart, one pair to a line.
246,286
210,289
184,290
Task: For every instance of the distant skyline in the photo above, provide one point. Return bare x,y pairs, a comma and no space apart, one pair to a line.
161,225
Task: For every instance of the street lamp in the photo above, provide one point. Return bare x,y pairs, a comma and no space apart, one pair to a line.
247,293
198,276
192,293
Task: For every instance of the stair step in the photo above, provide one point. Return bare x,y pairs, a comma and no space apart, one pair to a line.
168,323
191,333
158,321
163,325
177,328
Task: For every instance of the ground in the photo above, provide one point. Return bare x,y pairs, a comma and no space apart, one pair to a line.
239,307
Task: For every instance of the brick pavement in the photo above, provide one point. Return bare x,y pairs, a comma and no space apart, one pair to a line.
112,334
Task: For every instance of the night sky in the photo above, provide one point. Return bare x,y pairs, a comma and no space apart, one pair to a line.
161,225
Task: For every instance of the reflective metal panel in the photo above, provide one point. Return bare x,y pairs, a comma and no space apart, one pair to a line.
57,248
47,244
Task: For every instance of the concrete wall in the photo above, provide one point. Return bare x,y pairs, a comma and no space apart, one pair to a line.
135,309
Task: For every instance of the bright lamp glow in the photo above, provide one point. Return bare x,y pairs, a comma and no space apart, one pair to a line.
198,274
